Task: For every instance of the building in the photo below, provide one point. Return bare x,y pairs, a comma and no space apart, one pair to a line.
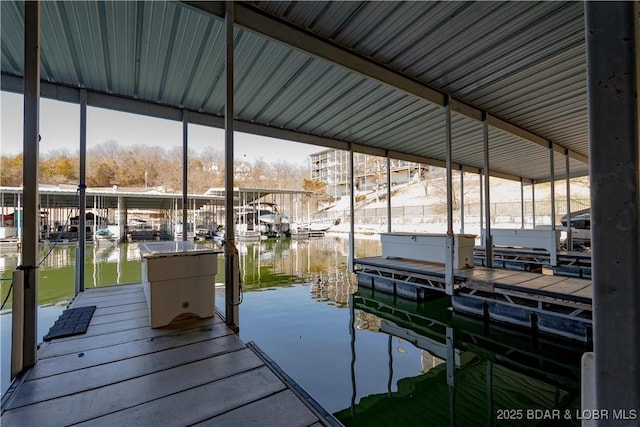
332,167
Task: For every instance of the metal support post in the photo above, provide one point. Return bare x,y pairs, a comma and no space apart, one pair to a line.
481,207
488,239
461,201
522,203
448,274
552,182
533,203
352,196
568,170
388,193
17,324
232,284
613,73
82,190
31,211
185,173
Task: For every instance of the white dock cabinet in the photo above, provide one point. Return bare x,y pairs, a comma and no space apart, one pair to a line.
428,247
178,277
525,238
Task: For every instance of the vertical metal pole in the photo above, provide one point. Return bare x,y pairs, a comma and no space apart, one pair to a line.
352,196
568,171
461,201
17,324
552,182
522,203
31,206
533,203
488,239
185,172
122,218
612,32
388,193
481,207
82,188
232,290
449,256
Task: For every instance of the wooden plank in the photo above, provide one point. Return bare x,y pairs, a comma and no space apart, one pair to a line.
107,328
115,317
112,300
281,409
516,279
33,391
586,292
91,404
120,309
115,291
527,281
488,275
197,404
111,290
98,356
568,287
87,343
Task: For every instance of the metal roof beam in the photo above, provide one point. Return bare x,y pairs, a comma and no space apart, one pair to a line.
57,92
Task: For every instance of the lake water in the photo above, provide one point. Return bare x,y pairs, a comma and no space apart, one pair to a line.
369,358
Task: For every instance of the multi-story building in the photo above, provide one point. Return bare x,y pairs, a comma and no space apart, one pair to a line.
332,167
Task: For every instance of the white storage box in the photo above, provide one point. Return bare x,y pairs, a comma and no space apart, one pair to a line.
178,278
526,238
428,247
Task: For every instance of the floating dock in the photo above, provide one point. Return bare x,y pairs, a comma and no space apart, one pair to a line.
123,372
571,264
557,305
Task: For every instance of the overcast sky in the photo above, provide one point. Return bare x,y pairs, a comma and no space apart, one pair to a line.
60,129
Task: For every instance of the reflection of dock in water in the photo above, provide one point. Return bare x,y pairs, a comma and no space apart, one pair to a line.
486,369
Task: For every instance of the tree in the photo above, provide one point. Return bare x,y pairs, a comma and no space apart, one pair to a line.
11,170
104,176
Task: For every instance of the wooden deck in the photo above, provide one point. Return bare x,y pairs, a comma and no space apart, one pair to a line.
557,305
536,285
122,372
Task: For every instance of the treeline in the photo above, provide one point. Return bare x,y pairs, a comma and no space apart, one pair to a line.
110,164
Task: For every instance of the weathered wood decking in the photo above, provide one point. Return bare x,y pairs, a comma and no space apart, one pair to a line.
122,372
536,285
557,305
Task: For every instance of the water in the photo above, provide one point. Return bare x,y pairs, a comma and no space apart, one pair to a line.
366,357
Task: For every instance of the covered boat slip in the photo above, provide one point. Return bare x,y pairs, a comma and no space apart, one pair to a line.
500,89
123,372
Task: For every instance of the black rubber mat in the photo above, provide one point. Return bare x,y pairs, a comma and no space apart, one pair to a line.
73,321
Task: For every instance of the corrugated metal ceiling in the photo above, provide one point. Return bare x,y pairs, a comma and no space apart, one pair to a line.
523,62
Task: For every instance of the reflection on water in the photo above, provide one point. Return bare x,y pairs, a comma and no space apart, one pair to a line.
367,357
471,374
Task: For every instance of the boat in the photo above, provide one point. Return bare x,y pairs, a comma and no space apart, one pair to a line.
264,218
104,235
580,227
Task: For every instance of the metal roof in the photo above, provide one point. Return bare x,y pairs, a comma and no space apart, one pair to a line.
66,196
372,76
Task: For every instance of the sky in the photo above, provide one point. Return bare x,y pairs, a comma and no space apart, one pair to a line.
60,129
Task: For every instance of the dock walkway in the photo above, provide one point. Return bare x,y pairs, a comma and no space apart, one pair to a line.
559,305
123,372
